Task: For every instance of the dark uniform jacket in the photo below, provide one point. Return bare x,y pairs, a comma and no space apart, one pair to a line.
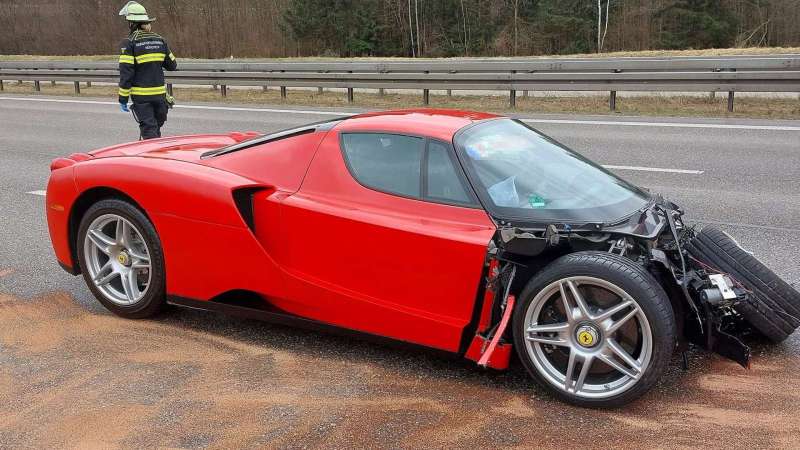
143,57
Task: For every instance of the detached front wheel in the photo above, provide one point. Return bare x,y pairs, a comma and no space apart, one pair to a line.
595,329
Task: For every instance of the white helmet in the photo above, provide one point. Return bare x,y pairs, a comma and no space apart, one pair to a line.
134,12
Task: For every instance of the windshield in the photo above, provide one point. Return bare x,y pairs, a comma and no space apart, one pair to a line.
521,174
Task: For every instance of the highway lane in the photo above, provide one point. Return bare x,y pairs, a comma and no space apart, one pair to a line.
749,179
194,379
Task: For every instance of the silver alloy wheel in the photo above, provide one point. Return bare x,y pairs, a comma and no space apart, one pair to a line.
117,259
585,348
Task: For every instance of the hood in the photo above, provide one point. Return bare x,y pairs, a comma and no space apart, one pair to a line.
184,148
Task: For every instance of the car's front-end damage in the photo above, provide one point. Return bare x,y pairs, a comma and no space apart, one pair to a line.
596,282
654,237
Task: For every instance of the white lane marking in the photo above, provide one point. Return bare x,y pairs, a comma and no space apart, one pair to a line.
665,124
748,225
216,108
654,169
343,113
268,110
42,193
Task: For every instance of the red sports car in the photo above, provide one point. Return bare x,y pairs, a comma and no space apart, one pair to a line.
463,232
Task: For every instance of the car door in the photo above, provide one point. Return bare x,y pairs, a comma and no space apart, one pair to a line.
385,236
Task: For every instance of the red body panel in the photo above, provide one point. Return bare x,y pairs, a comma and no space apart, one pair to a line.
282,163
438,124
323,246
499,359
61,194
381,263
207,245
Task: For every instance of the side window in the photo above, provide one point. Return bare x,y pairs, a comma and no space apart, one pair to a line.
443,180
386,162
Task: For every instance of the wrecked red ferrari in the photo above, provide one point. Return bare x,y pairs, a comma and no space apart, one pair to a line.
464,232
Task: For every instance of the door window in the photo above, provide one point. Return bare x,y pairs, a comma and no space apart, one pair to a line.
385,162
401,165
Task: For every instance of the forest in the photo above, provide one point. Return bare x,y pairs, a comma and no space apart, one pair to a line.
406,28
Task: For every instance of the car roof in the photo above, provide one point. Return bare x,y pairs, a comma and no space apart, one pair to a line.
436,123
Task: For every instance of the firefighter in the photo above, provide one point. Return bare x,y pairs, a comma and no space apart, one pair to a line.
143,57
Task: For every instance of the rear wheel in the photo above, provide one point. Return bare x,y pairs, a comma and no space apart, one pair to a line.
121,259
774,307
595,329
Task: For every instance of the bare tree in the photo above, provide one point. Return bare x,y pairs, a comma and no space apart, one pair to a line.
599,18
601,33
466,38
605,30
411,30
516,28
416,19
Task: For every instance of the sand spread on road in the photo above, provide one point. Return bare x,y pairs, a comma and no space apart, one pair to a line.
70,377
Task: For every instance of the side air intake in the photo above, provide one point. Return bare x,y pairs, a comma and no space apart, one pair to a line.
243,198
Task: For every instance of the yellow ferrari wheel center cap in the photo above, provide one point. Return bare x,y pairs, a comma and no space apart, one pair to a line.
587,336
123,258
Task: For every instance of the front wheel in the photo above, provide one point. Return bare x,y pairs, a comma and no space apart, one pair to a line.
595,329
121,259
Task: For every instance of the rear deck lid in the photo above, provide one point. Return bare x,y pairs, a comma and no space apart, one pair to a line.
184,148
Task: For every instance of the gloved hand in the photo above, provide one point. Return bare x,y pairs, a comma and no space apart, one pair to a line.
124,107
170,101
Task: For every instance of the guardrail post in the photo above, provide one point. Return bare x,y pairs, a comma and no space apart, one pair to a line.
381,92
169,88
283,92
449,92
426,94
512,94
1,86
350,94
88,84
223,89
730,101
526,93
36,86
612,101
77,85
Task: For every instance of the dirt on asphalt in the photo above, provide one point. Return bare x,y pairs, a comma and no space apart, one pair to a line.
72,377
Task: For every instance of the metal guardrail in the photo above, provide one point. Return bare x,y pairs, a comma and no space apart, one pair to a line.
773,73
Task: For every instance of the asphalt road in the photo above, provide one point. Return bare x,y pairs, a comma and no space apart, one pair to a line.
72,375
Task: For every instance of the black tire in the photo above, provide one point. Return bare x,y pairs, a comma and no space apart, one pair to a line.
634,280
774,307
154,298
